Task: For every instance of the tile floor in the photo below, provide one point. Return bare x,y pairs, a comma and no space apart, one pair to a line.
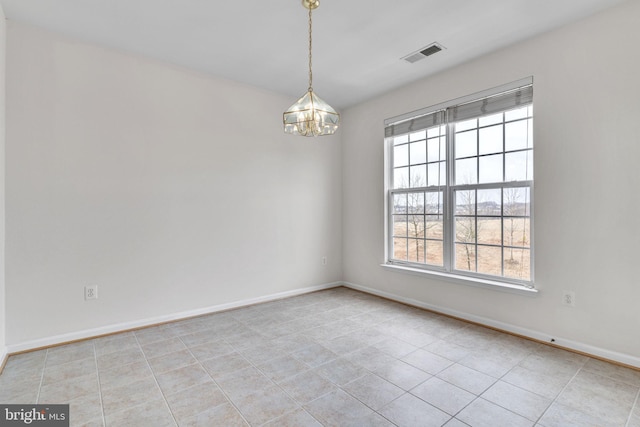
335,358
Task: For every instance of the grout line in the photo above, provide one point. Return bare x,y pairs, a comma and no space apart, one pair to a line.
95,357
635,404
44,366
156,381
213,379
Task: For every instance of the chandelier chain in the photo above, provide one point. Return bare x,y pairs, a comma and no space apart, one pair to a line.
310,57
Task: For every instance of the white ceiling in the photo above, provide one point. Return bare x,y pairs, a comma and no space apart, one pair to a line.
357,44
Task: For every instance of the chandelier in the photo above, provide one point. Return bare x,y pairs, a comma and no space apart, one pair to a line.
310,115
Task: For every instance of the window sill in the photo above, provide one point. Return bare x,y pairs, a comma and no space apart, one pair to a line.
463,280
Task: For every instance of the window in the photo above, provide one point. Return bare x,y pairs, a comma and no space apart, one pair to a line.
459,187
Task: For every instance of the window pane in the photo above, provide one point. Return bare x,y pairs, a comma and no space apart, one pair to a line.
400,155
401,178
466,144
491,140
465,257
437,150
418,152
466,202
517,201
399,203
436,131
467,171
416,226
466,125
517,232
490,260
490,231
400,226
433,227
517,135
519,166
490,202
433,203
416,136
517,264
437,174
466,229
402,139
518,113
415,250
490,120
435,253
415,202
418,176
490,169
400,249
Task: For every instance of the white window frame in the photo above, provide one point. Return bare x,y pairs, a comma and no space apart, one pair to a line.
447,272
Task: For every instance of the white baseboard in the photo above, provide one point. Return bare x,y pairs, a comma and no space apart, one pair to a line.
622,358
4,354
136,324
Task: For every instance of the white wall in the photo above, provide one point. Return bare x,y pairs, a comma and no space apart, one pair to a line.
168,189
3,39
586,107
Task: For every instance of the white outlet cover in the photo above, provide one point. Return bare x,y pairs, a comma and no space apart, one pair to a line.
91,292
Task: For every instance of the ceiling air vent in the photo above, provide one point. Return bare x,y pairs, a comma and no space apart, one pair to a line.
423,53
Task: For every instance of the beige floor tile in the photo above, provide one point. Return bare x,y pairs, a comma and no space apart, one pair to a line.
297,418
340,371
315,355
85,409
370,358
160,348
224,415
225,365
282,368
402,374
515,399
64,391
545,385
69,370
409,411
152,413
211,350
124,374
244,382
194,400
337,408
182,378
307,386
467,378
132,394
600,397
559,415
617,373
442,395
154,334
171,361
264,405
447,350
395,347
115,343
113,359
482,413
428,362
69,353
373,391
11,388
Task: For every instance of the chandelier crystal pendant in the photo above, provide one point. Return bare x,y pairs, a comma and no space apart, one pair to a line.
310,115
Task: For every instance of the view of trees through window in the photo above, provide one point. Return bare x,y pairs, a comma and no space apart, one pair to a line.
483,215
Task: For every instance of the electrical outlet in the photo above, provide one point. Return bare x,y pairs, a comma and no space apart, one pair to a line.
91,292
324,260
569,298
